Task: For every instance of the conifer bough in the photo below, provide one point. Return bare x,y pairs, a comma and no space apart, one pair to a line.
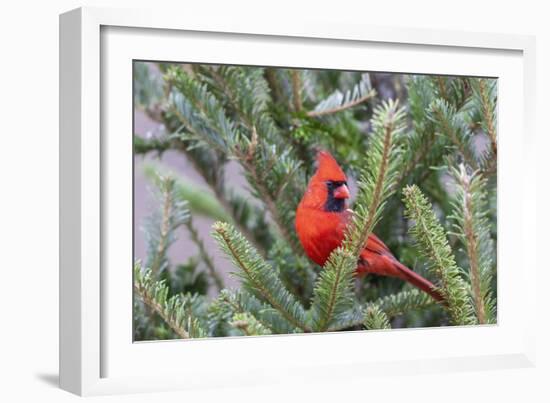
270,121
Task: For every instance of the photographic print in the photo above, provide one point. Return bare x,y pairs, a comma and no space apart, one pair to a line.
273,201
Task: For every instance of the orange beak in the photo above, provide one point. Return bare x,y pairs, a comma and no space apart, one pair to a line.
341,192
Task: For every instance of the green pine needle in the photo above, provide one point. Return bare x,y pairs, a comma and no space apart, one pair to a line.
375,318
431,241
176,310
258,276
472,228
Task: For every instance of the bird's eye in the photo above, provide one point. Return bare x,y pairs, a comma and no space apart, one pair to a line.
330,184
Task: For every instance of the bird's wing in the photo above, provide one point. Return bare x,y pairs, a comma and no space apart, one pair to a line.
375,245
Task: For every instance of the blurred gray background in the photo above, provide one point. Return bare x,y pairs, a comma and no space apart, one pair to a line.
144,204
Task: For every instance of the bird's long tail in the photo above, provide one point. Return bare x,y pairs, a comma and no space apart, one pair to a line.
418,281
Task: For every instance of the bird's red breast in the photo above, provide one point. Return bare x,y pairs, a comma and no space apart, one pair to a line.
322,216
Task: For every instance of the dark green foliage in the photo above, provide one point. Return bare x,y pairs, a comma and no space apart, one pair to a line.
231,303
429,139
375,318
402,302
472,228
185,278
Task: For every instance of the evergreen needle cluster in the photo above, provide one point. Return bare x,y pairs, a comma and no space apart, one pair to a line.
431,241
421,151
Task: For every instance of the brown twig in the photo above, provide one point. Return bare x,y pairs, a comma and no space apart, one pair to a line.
296,89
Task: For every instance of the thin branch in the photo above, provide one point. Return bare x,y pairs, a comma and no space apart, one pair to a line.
432,240
377,194
150,301
471,246
164,232
252,169
329,312
420,154
296,90
433,254
486,106
375,318
404,301
238,308
371,94
143,145
204,254
452,136
271,79
258,285
441,85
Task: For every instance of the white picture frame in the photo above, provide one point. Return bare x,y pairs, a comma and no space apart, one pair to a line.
97,355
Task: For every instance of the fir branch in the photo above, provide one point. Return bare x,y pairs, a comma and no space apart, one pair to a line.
352,318
392,305
262,153
419,157
270,75
165,228
484,91
432,242
241,301
375,318
378,178
148,91
404,301
250,220
452,125
423,147
175,311
225,206
338,101
258,276
333,292
248,324
199,200
270,200
442,86
254,141
453,90
160,228
203,253
203,116
470,216
145,145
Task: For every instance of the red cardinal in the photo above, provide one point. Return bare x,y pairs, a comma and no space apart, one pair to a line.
321,220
